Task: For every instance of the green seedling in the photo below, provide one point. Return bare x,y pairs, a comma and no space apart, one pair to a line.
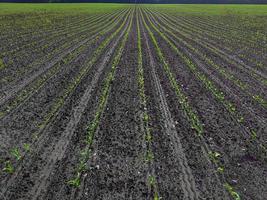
81,166
240,120
8,167
151,180
233,193
152,183
146,117
15,152
76,181
253,135
103,99
149,156
214,156
156,196
27,147
220,169
148,137
85,153
1,64
263,148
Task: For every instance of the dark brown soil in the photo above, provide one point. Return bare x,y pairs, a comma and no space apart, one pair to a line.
55,126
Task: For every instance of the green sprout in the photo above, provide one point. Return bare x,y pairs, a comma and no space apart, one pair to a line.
149,156
15,152
1,64
8,167
220,169
253,134
233,193
27,147
75,182
214,156
148,137
151,180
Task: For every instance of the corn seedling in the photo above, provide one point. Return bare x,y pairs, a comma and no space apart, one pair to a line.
233,193
15,152
8,167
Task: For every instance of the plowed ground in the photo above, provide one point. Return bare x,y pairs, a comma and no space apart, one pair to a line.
133,102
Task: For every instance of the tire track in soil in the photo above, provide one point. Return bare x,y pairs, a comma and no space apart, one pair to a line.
44,92
53,47
58,189
61,53
211,48
61,146
239,61
7,125
218,53
43,38
149,165
221,132
47,66
248,112
42,143
231,52
240,99
186,176
195,146
203,51
118,141
31,77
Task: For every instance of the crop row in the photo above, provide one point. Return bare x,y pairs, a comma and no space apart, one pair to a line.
57,54
182,99
229,41
69,31
33,87
93,125
222,71
149,156
19,43
212,47
214,41
210,86
55,44
59,102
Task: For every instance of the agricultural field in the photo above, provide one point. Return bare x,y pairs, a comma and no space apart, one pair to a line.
124,101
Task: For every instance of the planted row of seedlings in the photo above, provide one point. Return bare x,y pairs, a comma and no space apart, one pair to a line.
227,74
240,85
234,43
248,45
20,26
49,23
52,29
53,57
36,48
192,117
44,50
50,38
86,153
215,42
59,102
217,93
149,155
187,35
34,38
39,82
216,32
41,144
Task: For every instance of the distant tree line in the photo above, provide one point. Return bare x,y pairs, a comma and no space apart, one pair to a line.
145,1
